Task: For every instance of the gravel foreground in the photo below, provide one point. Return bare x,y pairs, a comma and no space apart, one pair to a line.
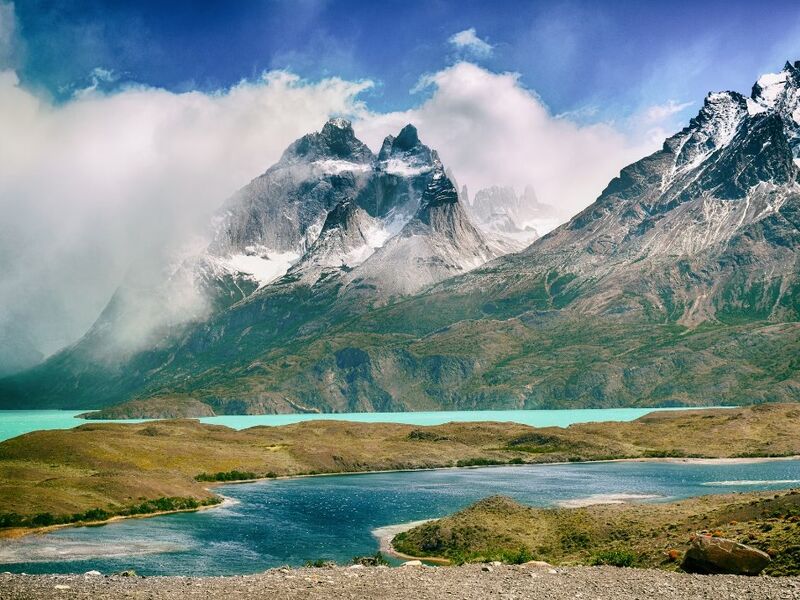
471,582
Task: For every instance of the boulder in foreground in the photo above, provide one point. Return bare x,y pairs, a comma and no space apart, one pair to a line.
715,555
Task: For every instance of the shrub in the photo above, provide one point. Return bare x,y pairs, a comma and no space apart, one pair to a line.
43,519
11,520
320,563
516,557
93,514
478,462
226,476
375,560
614,558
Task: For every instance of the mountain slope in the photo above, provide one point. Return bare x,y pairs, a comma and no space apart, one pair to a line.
679,285
294,250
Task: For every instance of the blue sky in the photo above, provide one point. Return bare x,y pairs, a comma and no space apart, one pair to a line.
597,60
115,111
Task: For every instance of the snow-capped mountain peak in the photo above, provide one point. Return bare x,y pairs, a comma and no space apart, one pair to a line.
405,155
336,140
713,127
778,90
329,205
720,196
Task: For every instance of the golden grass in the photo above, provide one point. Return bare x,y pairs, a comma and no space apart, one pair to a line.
649,535
112,465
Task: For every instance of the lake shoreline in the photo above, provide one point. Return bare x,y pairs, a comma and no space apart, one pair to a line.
362,416
13,533
19,532
186,459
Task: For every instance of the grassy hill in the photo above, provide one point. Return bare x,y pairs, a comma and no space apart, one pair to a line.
117,468
641,535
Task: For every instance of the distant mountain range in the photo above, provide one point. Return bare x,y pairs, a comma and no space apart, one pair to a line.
344,281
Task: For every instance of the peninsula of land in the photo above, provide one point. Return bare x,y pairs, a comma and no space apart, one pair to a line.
99,471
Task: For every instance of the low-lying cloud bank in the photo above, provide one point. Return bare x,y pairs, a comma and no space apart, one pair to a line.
93,185
90,186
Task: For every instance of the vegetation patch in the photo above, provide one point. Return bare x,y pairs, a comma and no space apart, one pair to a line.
227,476
157,505
626,535
52,476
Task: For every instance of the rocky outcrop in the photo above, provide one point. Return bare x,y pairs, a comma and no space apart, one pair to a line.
714,555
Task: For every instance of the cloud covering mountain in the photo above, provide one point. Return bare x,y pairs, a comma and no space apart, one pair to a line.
121,174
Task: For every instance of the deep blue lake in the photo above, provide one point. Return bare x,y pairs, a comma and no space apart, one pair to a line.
286,522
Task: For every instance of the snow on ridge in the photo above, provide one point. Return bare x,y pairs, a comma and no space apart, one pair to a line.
258,264
335,167
396,166
754,108
771,85
375,236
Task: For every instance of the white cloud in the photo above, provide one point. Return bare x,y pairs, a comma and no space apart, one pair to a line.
655,123
105,179
91,185
468,40
490,130
659,112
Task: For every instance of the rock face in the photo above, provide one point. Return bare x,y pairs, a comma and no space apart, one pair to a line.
713,555
438,242
701,218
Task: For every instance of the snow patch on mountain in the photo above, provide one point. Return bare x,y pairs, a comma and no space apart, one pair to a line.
437,243
336,167
769,87
404,168
261,265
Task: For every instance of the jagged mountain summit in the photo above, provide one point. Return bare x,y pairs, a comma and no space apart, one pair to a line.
330,218
703,228
330,203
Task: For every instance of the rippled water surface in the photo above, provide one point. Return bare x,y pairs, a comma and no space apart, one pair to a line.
279,522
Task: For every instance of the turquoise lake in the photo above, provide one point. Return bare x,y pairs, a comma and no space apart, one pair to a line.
17,422
286,522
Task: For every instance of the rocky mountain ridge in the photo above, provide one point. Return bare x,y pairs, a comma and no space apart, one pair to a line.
678,285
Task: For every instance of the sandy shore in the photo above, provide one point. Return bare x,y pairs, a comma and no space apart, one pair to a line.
386,534
469,582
